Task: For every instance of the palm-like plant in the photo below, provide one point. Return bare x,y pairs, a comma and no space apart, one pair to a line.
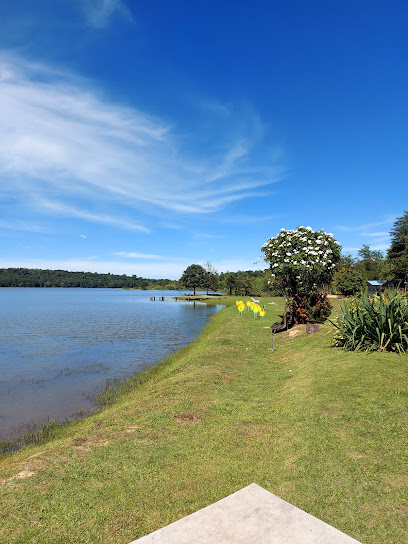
378,323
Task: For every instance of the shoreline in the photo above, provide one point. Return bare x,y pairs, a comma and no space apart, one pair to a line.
40,432
322,428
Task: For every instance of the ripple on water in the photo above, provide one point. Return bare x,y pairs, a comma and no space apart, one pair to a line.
59,345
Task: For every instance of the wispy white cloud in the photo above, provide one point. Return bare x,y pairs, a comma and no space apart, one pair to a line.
248,219
203,235
99,13
367,226
82,236
369,233
20,225
380,247
379,234
61,138
233,265
133,255
61,209
239,151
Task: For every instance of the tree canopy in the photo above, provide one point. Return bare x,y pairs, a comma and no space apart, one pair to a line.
210,278
370,263
348,281
194,276
398,252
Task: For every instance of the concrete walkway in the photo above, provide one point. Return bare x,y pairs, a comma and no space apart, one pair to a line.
249,516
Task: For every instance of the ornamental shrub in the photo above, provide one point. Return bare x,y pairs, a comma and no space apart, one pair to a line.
301,260
369,324
313,309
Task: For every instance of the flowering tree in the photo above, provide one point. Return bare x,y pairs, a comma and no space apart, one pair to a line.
301,260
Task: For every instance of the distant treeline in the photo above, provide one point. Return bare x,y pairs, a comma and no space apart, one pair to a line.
28,277
241,282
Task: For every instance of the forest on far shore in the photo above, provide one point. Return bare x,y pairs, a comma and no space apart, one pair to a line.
35,277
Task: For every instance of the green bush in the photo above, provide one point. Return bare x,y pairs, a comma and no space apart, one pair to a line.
314,308
378,323
348,281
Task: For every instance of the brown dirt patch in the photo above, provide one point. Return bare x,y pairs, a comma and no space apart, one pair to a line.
294,332
187,417
226,377
355,455
132,429
36,454
250,449
84,444
21,475
37,464
258,430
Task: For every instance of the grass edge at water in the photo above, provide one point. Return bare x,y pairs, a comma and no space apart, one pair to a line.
317,426
40,432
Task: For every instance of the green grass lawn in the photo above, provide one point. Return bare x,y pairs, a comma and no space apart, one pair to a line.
323,429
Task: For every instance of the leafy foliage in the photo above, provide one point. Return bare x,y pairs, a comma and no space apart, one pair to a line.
346,261
398,252
230,282
348,281
378,323
194,276
245,282
371,263
210,278
210,281
314,309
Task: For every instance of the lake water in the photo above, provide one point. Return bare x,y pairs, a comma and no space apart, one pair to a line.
57,346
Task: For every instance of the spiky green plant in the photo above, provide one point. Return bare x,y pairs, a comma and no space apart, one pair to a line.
378,323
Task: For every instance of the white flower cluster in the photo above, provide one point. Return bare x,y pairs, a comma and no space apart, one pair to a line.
302,251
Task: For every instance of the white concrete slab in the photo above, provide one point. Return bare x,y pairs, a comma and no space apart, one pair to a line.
249,516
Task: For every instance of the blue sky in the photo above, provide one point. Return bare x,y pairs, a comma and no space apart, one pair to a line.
141,136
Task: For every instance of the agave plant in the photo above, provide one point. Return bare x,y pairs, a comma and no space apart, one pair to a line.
378,323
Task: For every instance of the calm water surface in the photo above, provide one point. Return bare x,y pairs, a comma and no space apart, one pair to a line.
57,346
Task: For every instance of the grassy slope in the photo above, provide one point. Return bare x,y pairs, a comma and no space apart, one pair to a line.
323,429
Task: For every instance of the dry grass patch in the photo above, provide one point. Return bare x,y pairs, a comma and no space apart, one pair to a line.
187,417
132,429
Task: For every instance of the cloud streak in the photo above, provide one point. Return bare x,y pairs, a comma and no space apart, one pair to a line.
133,255
69,211
66,148
361,228
99,13
20,225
